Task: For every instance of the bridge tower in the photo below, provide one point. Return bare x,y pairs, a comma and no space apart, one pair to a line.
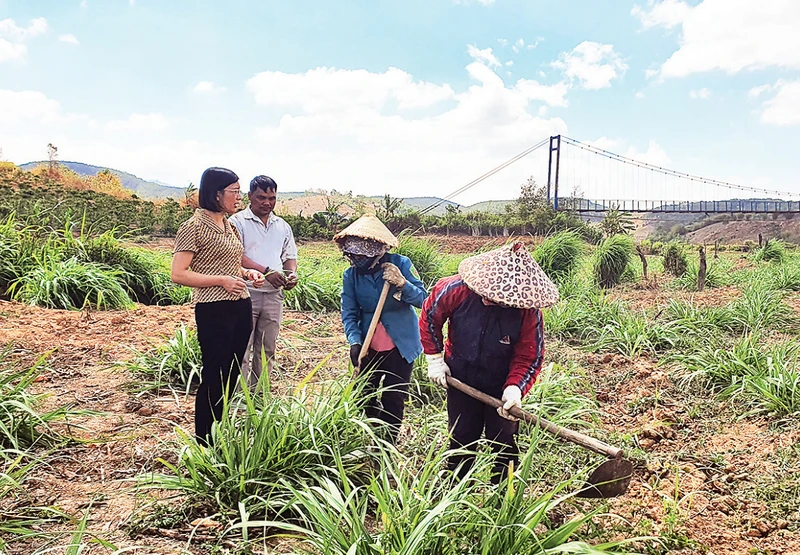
552,178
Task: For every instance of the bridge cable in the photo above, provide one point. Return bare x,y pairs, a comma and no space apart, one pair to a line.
668,172
485,176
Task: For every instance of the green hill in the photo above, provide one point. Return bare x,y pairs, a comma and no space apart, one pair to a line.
142,188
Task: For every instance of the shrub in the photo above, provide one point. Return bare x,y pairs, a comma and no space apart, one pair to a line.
675,260
559,255
612,259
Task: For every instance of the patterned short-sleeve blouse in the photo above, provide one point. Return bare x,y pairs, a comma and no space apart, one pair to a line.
216,251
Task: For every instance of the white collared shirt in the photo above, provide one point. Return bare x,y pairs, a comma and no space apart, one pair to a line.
268,245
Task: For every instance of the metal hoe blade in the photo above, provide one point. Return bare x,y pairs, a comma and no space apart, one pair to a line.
610,479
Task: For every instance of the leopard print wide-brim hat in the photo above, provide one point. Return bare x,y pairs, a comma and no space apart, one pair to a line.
367,227
509,276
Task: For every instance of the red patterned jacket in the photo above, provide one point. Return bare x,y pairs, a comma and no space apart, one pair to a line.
488,347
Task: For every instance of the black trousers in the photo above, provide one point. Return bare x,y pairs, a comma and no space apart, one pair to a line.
468,418
223,330
389,405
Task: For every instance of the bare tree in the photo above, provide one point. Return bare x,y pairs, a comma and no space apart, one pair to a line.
701,272
52,157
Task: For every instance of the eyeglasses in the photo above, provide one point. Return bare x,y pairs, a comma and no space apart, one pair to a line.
237,192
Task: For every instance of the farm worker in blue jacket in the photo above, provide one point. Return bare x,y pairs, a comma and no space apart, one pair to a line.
396,342
495,343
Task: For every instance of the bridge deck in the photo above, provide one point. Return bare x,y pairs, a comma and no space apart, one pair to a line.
706,207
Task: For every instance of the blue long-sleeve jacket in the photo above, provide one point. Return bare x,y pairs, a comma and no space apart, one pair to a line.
360,293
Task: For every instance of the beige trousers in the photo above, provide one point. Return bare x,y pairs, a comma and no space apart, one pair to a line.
267,314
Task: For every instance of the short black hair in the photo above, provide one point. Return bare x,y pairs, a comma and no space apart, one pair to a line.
213,181
263,182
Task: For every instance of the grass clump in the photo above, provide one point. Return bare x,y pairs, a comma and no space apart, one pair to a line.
264,445
612,259
21,425
674,259
764,377
559,255
426,256
318,288
774,250
425,511
719,273
71,284
145,274
178,362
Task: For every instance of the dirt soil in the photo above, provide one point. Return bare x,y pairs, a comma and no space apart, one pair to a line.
739,232
698,468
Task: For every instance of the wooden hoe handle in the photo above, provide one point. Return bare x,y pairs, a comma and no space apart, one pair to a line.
373,325
569,435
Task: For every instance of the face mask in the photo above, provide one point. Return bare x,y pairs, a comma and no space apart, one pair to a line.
363,262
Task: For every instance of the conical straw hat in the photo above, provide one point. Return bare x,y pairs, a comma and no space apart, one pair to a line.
509,276
368,227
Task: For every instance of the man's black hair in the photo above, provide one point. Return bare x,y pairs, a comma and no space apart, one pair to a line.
263,182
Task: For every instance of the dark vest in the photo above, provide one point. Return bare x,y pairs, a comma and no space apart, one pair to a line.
483,339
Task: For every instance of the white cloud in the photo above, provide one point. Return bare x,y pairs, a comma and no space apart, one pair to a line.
552,95
208,87
702,94
338,90
14,32
11,50
509,63
84,4
468,2
639,94
730,35
503,42
353,135
518,45
140,122
359,129
486,55
783,108
69,39
665,13
535,44
19,106
755,92
12,37
595,65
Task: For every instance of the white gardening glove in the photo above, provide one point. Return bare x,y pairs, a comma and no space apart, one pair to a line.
437,369
512,397
393,275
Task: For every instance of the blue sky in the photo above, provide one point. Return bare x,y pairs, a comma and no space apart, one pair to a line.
411,98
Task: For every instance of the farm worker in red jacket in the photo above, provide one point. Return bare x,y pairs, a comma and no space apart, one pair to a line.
495,343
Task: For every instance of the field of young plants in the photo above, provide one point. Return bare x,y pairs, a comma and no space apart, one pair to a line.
99,359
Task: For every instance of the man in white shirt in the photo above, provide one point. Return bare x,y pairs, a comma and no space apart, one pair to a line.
269,247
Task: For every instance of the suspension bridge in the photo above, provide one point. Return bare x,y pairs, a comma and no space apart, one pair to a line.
582,177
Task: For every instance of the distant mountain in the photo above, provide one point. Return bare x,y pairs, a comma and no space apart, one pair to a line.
142,188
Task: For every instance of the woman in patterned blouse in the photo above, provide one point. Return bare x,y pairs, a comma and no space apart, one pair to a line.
208,258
